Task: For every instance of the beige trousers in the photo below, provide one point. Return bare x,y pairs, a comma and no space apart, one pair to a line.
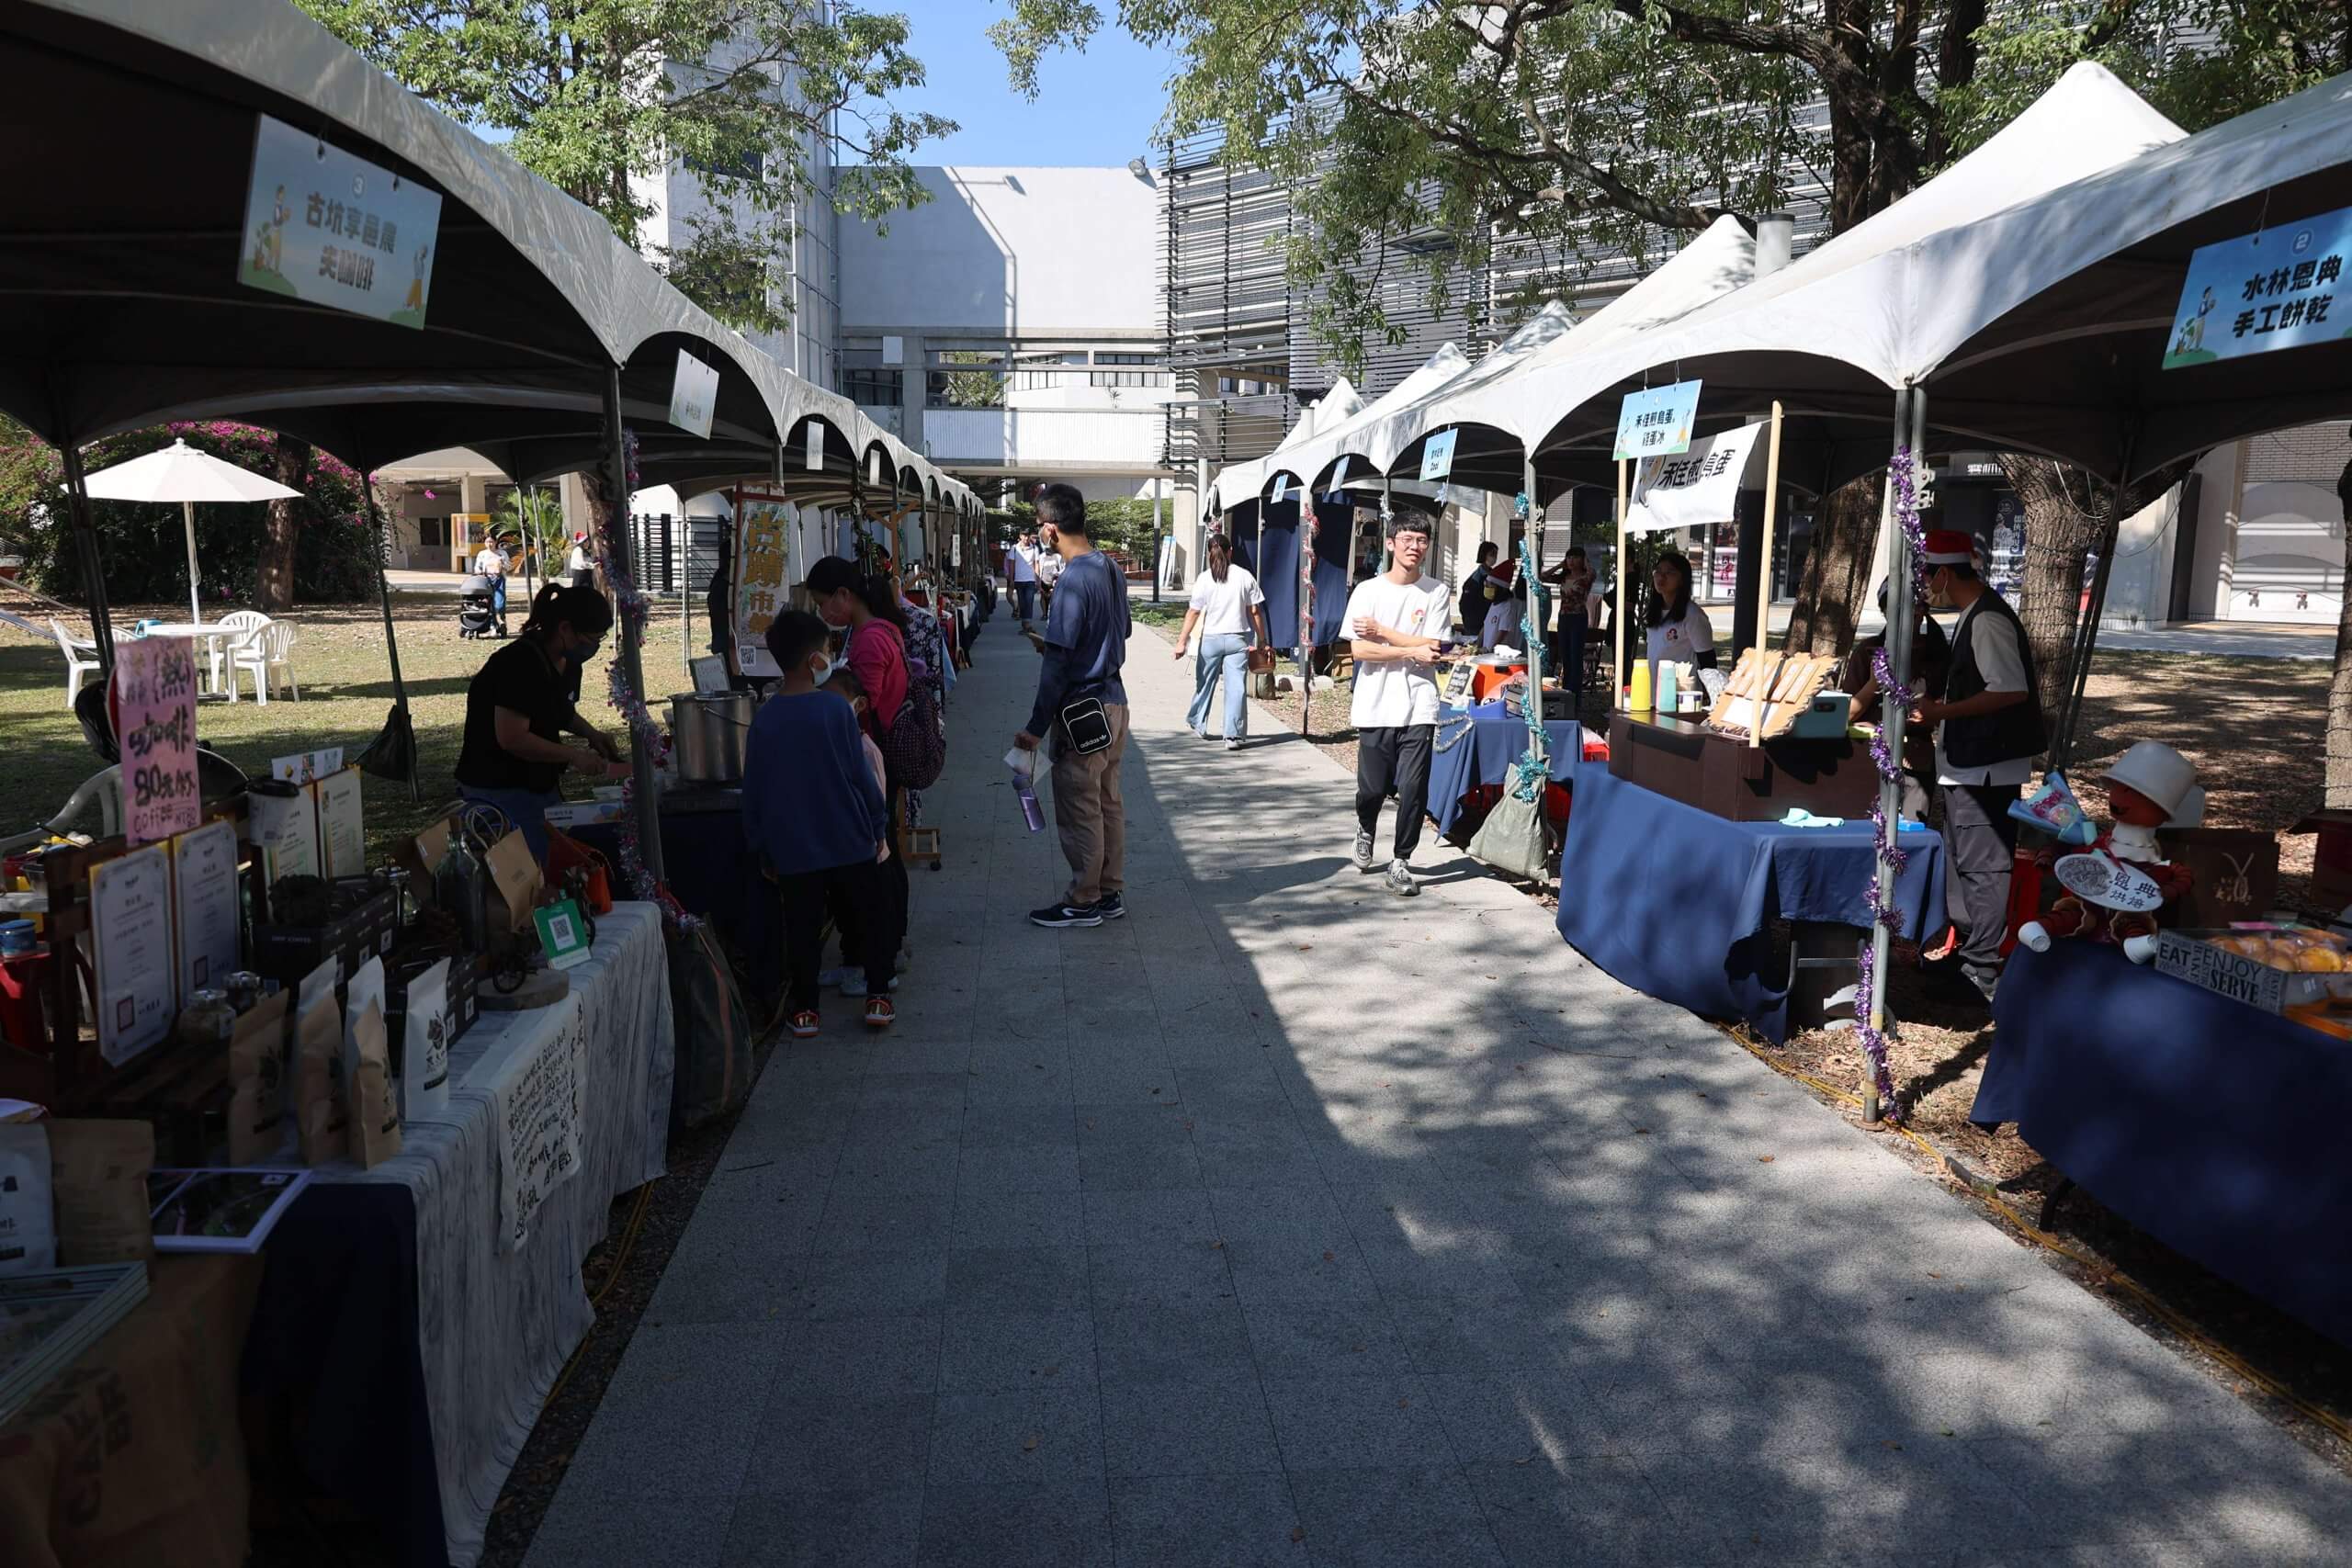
1089,813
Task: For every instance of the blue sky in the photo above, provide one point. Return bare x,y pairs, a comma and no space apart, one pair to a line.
1098,108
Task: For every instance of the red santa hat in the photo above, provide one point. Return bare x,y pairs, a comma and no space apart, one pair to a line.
1948,546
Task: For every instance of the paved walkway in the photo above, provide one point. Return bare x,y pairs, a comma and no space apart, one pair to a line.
1285,1221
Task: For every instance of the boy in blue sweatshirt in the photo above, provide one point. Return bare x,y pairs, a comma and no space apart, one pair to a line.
815,819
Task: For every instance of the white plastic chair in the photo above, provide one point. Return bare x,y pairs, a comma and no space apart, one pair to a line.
235,621
263,653
73,648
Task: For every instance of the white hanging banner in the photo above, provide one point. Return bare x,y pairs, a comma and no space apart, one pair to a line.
327,226
815,447
1698,489
693,394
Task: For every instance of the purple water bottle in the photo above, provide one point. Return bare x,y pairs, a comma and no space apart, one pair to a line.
1030,809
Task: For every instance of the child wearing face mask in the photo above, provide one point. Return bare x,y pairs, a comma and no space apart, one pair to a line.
818,821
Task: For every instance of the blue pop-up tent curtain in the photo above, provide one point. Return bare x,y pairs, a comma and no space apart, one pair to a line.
1276,567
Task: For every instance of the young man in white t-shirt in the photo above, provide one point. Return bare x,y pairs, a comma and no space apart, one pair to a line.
1397,624
1020,576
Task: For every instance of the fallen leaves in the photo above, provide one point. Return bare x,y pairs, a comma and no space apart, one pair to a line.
1763,1160
1029,1445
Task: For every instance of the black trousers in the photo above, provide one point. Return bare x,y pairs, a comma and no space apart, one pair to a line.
1980,845
1394,759
860,891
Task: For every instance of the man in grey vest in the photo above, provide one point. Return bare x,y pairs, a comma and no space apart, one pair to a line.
1988,730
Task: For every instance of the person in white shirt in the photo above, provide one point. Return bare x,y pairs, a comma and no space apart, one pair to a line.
1397,624
490,561
1679,629
1021,575
1988,730
580,564
1226,603
1049,569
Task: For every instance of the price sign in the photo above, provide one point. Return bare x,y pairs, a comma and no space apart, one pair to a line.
155,695
2101,879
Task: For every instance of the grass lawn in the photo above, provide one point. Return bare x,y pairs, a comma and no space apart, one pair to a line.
346,679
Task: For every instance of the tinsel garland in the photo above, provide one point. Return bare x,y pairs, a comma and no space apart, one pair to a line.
632,607
1889,855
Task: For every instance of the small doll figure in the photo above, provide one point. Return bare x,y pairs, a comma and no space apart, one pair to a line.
2150,786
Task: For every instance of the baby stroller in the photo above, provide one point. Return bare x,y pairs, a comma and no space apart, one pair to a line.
478,608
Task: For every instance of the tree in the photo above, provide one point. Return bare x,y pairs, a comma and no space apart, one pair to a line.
1438,145
274,573
601,96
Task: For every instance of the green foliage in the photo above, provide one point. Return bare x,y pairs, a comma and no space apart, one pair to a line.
142,546
1123,525
597,93
536,513
977,388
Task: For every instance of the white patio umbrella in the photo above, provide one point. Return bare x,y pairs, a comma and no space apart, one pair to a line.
182,473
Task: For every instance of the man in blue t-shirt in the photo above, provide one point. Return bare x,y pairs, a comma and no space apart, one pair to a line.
1086,645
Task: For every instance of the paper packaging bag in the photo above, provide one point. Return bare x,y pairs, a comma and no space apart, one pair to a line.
320,1110
28,1233
424,1048
514,882
423,856
257,1082
375,1109
97,1171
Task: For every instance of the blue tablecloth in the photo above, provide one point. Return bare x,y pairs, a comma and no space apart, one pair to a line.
1653,890
708,870
1483,752
2214,1127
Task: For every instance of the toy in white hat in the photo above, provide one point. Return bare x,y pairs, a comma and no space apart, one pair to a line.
2165,777
2115,891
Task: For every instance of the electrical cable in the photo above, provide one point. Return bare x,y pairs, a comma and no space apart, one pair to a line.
612,1277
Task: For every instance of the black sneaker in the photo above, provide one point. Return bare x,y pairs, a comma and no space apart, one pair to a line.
1060,914
1111,906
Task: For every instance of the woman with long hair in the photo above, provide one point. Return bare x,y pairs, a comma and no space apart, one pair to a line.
1226,603
523,700
1680,632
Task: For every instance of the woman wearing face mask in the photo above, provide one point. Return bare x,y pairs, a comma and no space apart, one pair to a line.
522,701
867,608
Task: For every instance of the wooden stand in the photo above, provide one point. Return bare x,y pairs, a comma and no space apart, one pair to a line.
920,844
1724,777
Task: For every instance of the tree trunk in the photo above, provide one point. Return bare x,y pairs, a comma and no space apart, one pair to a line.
1836,569
273,576
2060,533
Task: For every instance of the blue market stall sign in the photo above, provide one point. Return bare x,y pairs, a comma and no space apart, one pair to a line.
335,230
2281,288
1437,455
1656,422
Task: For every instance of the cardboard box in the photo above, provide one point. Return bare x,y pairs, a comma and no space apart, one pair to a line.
2236,872
2190,955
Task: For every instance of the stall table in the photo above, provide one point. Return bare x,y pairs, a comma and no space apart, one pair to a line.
708,868
1679,903
131,1456
2213,1126
417,1334
1481,751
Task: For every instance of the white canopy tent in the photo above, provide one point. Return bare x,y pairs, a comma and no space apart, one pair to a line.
182,473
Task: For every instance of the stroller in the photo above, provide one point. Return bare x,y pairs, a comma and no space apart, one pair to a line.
478,608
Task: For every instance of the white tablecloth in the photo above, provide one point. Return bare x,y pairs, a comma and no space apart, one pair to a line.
497,1323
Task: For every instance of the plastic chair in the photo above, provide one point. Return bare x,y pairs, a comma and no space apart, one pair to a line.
73,648
264,652
215,648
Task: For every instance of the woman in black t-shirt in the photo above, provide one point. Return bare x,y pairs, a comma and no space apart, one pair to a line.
521,702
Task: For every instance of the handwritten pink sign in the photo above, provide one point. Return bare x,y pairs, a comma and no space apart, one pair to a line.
154,695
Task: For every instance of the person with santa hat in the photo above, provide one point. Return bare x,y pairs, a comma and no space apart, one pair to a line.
1988,730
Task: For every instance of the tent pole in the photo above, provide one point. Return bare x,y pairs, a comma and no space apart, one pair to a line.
1309,526
187,522
1895,709
391,640
86,539
644,788
1617,671
1764,584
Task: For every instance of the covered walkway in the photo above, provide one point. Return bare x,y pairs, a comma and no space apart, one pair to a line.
1285,1221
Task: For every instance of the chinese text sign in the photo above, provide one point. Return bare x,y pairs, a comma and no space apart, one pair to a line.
1656,423
2281,288
324,226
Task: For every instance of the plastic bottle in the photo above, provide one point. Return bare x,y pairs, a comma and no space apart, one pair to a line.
1031,812
1665,689
1640,701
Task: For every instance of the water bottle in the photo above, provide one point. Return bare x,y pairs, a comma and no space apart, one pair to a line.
1031,812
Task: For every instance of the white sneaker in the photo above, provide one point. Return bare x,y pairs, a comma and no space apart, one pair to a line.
1363,851
1400,880
855,985
832,979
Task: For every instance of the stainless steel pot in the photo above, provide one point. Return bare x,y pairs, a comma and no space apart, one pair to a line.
707,730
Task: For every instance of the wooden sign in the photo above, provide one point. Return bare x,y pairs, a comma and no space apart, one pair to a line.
1783,683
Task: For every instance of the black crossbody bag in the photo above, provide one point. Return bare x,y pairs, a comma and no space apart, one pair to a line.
1088,727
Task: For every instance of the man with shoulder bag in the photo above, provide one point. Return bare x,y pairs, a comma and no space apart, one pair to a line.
1082,707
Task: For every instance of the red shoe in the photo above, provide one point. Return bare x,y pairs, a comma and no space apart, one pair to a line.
805,1024
879,1013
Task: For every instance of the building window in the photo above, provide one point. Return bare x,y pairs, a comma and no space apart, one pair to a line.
431,531
1125,359
1126,377
875,388
749,164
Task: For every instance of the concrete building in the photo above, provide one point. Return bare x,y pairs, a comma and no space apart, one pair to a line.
1010,327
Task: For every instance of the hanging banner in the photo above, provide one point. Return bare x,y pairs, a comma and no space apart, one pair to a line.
813,447
327,226
693,394
764,529
2258,292
1697,489
1437,455
1656,423
154,699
